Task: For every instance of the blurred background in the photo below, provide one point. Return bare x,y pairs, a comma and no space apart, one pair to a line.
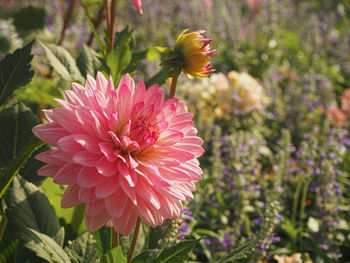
274,117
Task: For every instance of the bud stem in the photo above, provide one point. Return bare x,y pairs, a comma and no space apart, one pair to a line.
174,78
115,238
134,239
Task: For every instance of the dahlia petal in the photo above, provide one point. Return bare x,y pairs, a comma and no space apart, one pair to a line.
152,176
170,137
67,174
116,203
89,177
107,187
106,168
148,194
69,145
70,196
48,170
125,173
128,190
195,149
90,86
138,5
182,125
49,132
186,116
101,82
192,140
148,215
86,158
126,223
87,195
73,98
108,150
47,158
170,207
67,120
96,208
61,155
64,104
49,115
139,93
100,125
174,174
95,223
91,144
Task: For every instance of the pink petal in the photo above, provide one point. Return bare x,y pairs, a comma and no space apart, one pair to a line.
108,187
89,177
116,203
87,195
67,174
70,196
106,167
49,132
86,158
49,170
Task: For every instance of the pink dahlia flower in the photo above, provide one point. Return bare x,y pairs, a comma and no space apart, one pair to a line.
138,5
125,153
336,116
345,102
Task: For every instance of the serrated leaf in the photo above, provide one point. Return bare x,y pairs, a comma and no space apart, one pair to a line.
86,60
15,71
62,61
241,251
29,18
17,143
177,253
103,240
118,59
145,257
29,208
114,255
56,253
83,249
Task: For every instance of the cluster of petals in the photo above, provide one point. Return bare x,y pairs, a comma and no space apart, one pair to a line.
196,53
336,116
345,102
125,152
138,5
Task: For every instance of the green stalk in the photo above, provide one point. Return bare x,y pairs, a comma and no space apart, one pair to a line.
295,202
303,200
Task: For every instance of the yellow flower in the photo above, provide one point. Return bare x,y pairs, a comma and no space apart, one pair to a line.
192,54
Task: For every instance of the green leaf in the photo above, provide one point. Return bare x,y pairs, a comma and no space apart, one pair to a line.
114,255
53,250
97,37
29,18
118,59
40,90
73,217
240,252
159,78
86,61
145,257
62,61
5,44
83,249
17,143
15,71
103,240
177,253
28,207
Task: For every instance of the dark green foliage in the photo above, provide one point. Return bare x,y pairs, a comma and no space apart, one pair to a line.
114,255
29,209
29,18
177,253
83,249
15,71
5,44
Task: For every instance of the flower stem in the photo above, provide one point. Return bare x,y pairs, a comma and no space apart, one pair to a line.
174,78
134,239
111,26
108,14
295,202
115,238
